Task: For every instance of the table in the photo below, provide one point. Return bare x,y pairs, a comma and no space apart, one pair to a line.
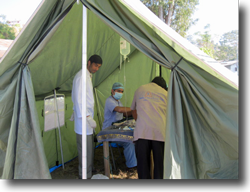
113,134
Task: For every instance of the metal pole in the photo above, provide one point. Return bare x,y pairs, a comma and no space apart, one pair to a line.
58,123
84,68
99,111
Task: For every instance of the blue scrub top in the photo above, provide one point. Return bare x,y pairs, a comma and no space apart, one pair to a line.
110,115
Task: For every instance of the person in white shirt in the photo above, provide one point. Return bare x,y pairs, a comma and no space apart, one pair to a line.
93,65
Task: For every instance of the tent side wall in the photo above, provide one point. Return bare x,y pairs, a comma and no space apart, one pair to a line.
23,131
23,138
205,125
51,138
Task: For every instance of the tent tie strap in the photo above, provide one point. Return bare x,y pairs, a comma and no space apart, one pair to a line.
107,158
23,64
176,64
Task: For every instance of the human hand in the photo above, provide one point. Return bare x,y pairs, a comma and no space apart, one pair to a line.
91,122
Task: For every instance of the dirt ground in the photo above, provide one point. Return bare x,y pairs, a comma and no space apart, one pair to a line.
70,170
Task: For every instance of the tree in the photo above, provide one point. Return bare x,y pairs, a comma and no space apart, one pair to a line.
226,50
6,32
175,13
228,46
205,43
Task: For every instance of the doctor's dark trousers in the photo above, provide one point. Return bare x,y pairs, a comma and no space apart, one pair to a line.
143,149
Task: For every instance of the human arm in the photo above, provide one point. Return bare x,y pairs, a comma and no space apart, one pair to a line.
133,108
90,103
134,111
77,96
125,110
134,114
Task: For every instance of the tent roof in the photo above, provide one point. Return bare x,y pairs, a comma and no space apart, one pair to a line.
163,33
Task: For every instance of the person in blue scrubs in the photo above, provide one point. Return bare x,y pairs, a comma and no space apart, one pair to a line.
115,111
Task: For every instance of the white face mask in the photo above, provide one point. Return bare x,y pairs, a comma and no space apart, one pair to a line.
117,95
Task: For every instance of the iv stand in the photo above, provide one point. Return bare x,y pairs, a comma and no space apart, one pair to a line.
59,127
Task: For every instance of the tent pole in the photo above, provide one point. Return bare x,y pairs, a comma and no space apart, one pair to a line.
58,123
160,70
84,68
98,107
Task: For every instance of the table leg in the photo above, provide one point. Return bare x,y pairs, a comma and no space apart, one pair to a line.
152,165
106,158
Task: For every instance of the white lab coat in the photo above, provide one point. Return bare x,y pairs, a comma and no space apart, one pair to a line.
77,101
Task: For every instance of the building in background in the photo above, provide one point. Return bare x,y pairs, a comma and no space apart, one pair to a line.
4,45
232,65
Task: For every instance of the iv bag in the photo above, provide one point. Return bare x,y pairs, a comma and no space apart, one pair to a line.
124,47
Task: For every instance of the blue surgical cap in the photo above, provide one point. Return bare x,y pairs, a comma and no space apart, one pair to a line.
117,86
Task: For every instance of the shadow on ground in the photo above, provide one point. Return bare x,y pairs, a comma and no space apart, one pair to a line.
70,170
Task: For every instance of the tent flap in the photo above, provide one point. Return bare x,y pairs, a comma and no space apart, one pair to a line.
25,152
205,145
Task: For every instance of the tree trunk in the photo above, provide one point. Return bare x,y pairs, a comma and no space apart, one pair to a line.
170,13
161,12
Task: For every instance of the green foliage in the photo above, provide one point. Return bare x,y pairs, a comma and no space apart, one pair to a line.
209,51
227,49
6,32
176,13
181,19
205,43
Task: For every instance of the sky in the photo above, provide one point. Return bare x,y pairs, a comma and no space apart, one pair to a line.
222,15
18,9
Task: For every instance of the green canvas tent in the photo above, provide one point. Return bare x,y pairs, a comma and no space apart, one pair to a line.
202,115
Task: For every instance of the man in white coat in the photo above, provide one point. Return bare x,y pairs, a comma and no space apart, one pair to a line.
93,65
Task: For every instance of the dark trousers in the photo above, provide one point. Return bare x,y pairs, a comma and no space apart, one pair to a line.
143,149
